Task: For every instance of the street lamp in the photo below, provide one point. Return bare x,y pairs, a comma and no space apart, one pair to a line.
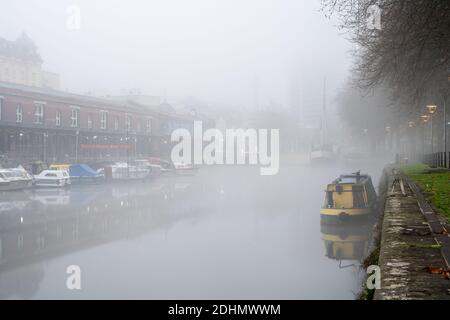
412,134
77,133
424,119
431,110
45,136
20,146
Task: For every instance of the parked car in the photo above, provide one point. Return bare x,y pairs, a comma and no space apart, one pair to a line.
52,178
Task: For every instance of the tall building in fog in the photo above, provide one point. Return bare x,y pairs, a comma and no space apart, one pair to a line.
21,63
295,99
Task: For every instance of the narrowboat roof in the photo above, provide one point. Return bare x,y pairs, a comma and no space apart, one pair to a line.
356,178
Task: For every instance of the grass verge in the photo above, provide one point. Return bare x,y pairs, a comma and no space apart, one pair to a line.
434,183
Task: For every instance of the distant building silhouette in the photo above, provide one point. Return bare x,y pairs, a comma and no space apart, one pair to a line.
21,63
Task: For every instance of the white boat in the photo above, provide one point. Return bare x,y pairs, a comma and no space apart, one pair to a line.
10,180
160,166
321,155
182,168
123,171
52,178
22,175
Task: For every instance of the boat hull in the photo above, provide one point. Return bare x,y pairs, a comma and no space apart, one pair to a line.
332,215
51,184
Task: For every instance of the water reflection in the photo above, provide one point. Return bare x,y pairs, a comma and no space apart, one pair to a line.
346,242
226,233
44,223
22,284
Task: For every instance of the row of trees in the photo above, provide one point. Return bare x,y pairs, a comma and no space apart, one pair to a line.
401,65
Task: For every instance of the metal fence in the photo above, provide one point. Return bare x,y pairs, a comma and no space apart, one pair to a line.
437,159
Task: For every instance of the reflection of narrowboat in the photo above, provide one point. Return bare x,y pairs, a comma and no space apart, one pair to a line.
346,242
349,198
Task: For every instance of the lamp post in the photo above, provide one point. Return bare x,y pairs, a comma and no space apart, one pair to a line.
20,146
412,149
77,133
431,110
128,151
424,119
367,139
444,105
45,147
389,138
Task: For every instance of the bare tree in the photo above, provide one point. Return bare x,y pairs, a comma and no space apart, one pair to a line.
410,53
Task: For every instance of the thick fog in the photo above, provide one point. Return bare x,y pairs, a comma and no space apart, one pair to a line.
157,200
229,53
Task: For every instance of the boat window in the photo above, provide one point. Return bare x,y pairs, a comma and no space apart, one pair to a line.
329,199
51,175
347,180
358,196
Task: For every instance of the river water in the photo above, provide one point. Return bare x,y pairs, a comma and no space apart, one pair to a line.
225,233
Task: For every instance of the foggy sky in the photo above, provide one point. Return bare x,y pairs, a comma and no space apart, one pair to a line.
218,51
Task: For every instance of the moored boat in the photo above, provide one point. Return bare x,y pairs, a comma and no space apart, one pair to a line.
12,180
124,171
350,197
184,169
321,155
84,174
52,178
20,174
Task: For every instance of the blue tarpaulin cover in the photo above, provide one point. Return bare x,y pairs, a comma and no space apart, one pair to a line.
82,170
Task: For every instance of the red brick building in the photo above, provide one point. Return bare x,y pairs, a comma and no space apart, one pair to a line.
55,126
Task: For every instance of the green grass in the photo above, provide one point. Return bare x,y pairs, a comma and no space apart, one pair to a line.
434,182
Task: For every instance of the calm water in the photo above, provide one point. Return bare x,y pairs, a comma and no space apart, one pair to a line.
226,233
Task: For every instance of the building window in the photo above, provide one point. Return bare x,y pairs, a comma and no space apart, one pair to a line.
74,118
58,118
103,119
89,121
128,122
19,114
39,113
116,123
149,126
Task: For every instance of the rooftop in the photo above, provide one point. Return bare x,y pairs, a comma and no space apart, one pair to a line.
23,48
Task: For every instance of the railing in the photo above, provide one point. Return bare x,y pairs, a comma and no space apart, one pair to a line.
437,159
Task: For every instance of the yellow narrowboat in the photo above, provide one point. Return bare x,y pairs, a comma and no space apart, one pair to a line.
350,197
